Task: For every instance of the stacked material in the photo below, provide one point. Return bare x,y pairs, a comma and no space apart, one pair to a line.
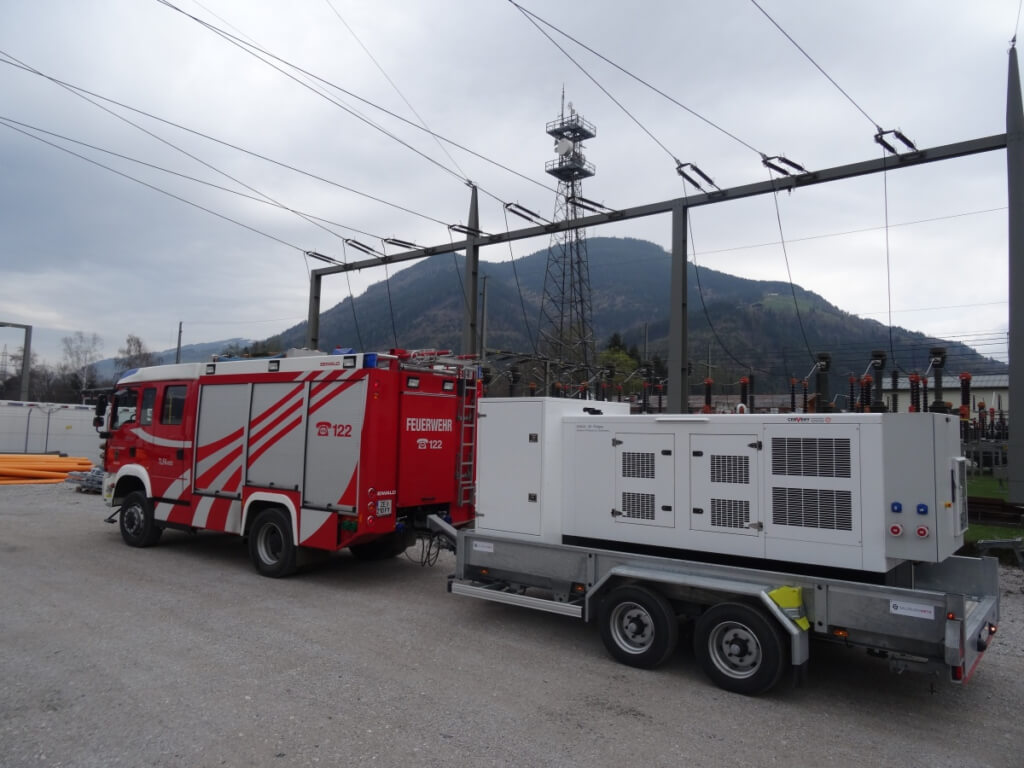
39,468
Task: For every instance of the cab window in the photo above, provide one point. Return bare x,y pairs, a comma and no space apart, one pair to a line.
173,410
148,401
123,408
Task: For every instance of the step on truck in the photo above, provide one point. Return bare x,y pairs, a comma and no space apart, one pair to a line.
763,532
301,453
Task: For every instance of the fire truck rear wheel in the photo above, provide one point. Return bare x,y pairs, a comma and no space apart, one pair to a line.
741,649
138,528
638,626
271,545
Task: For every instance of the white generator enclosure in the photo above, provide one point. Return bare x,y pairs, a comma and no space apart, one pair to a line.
852,491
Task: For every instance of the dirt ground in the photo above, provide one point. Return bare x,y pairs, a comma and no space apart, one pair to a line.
180,655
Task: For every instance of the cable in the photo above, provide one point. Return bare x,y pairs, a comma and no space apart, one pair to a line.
392,83
816,65
177,149
636,77
228,144
519,289
184,176
700,292
251,49
594,81
785,255
156,189
352,300
391,307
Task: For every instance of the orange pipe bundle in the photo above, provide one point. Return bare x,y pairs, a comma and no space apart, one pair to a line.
39,468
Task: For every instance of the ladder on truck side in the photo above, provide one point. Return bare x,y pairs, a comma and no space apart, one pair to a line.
467,435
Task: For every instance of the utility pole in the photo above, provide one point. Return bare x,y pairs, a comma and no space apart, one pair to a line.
1015,195
469,336
26,358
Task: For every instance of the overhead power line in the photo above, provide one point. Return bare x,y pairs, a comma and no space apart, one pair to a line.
258,52
816,65
153,187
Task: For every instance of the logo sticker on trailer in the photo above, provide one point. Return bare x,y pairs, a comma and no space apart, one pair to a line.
913,610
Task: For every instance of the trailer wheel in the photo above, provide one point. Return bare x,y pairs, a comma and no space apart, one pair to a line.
740,648
138,528
638,627
270,543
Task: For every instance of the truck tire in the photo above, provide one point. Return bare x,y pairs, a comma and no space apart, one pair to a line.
138,528
740,648
387,546
271,546
638,627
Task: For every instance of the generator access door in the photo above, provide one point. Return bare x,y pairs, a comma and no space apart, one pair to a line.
645,490
723,484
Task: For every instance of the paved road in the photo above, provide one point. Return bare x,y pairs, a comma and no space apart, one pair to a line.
181,655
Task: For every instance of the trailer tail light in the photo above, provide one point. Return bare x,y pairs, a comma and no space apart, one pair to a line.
840,632
958,674
578,589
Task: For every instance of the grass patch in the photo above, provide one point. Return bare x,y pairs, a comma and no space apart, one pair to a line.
987,487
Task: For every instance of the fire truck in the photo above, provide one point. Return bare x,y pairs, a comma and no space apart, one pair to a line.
298,453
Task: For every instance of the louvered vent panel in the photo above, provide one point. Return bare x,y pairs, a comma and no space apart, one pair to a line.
638,506
811,456
730,513
813,508
730,469
638,465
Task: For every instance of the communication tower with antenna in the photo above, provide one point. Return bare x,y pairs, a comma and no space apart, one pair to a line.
566,332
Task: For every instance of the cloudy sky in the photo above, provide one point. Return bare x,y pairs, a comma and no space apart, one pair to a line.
85,248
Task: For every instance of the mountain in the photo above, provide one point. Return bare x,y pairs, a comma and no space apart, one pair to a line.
741,325
190,353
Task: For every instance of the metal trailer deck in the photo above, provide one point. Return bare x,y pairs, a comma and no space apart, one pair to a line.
751,625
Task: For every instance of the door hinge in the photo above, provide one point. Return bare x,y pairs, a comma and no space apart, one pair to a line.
616,512
756,445
616,441
758,526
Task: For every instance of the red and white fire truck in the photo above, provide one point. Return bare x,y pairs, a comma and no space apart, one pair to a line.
306,451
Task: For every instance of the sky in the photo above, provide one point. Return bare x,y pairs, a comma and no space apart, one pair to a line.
83,248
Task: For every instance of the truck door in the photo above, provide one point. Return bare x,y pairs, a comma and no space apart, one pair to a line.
162,416
723,484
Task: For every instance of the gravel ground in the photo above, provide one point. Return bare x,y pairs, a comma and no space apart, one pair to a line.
181,655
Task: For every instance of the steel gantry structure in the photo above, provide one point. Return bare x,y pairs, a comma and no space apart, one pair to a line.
1012,141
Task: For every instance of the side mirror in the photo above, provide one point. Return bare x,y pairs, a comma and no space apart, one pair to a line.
97,422
101,408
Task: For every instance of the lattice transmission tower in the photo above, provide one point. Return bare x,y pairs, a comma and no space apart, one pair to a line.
566,331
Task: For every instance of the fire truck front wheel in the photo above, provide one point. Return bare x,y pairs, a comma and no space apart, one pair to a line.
271,546
138,528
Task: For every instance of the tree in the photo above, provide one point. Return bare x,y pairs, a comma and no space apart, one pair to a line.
133,355
81,352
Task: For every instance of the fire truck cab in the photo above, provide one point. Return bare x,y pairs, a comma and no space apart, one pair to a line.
305,451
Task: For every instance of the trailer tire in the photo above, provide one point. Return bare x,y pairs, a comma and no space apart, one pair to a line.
638,626
138,528
271,546
740,648
387,546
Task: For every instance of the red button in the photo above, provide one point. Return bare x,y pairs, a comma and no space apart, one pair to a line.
896,529
922,531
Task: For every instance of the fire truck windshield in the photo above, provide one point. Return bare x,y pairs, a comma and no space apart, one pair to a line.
123,408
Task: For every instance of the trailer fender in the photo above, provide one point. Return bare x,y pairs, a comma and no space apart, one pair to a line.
260,499
791,598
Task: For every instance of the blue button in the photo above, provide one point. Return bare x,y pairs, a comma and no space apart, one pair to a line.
922,509
897,507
